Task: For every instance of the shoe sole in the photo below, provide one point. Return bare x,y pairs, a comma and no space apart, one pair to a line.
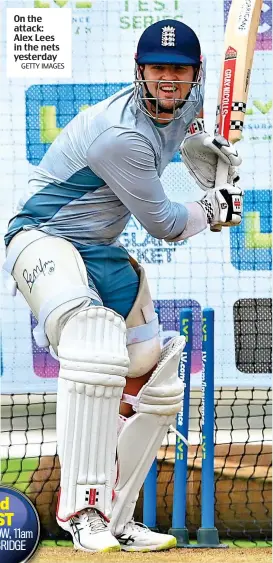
105,550
168,545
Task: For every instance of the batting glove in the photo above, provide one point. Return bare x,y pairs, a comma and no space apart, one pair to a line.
224,206
200,153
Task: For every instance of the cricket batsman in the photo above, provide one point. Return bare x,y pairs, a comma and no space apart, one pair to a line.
118,392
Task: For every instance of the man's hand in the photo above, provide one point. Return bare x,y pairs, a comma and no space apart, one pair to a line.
200,153
223,206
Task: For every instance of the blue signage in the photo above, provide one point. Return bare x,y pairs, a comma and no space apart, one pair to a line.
251,242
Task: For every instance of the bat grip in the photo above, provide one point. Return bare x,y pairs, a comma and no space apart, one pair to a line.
221,178
221,173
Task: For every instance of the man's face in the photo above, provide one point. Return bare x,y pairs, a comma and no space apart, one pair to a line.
171,91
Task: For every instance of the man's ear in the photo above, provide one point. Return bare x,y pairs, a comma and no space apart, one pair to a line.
140,71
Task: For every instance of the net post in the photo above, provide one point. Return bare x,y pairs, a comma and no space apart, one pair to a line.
179,529
207,535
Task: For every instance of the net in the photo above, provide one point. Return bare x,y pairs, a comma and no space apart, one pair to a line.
242,461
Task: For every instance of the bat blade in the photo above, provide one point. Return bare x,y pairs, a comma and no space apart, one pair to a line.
240,40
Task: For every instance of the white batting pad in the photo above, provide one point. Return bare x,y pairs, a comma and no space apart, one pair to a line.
93,366
156,405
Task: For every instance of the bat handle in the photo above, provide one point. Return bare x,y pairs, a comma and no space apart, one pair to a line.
221,173
221,178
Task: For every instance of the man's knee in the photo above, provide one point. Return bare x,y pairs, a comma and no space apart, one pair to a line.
143,342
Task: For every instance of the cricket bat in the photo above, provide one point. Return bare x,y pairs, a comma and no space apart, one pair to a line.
240,39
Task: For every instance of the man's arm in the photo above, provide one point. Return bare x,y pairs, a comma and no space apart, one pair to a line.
125,160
